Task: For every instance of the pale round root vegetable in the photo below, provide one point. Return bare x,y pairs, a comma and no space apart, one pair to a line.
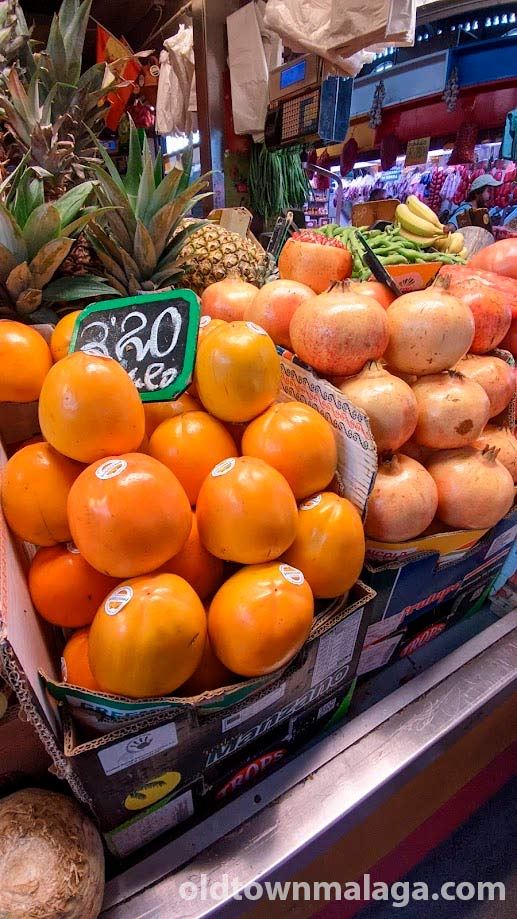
429,331
51,858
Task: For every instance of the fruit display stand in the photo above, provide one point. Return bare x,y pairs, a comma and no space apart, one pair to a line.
145,767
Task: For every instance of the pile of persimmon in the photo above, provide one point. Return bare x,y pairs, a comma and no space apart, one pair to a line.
185,542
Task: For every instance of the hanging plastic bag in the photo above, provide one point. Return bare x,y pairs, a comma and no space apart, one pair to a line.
347,26
173,105
248,71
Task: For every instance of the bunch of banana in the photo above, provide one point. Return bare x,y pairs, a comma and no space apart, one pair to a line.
419,223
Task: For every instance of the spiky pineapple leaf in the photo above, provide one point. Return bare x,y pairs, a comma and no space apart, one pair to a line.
19,280
74,28
78,225
29,301
109,165
78,288
7,263
144,251
69,204
56,50
29,195
176,244
49,258
117,285
168,276
11,236
158,169
186,164
135,165
43,225
146,185
110,265
165,192
113,195
162,225
10,184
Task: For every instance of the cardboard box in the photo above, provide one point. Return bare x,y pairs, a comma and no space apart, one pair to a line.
412,578
188,746
223,782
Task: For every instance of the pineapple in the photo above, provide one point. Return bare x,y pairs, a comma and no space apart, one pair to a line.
212,253
48,107
36,236
14,38
138,241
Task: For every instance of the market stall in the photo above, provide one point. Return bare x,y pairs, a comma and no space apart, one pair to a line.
257,496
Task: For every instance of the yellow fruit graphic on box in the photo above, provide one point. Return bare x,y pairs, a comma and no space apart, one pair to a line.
153,790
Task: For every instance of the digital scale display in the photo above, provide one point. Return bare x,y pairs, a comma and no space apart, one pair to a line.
294,74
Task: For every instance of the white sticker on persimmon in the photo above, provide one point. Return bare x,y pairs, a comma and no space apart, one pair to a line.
111,468
310,503
222,468
293,575
118,600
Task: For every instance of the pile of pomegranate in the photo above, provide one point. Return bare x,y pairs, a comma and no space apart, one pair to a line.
424,367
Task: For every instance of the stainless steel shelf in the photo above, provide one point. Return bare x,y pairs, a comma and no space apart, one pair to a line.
277,828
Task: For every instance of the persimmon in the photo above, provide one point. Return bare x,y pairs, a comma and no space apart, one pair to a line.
148,637
62,335
210,674
35,486
75,665
260,618
296,440
157,412
128,515
90,408
237,371
246,511
25,360
64,588
202,570
329,545
190,446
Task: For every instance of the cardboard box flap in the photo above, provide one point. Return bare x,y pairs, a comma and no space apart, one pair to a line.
442,544
357,454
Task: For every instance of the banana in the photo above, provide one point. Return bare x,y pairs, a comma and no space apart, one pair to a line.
442,243
416,225
423,241
464,253
456,243
419,209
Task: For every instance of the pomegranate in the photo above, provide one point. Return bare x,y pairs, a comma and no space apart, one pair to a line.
492,314
403,501
509,342
474,489
274,307
429,331
313,262
495,376
505,442
500,257
452,410
337,332
227,299
375,289
389,403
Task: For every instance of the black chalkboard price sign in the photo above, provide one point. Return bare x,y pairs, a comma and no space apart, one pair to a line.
153,336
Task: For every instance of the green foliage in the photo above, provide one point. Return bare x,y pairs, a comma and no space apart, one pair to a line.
35,238
139,240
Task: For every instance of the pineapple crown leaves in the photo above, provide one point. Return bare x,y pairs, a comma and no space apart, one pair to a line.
36,237
50,107
15,46
137,241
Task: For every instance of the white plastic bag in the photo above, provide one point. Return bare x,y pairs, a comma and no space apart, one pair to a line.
248,71
325,27
174,100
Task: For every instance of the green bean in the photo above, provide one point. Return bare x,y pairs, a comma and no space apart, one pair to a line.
395,259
